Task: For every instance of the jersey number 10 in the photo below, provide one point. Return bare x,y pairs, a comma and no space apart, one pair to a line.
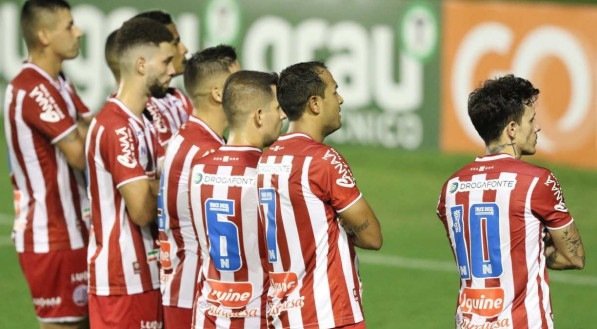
484,251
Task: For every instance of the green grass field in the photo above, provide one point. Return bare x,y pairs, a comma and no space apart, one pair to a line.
412,281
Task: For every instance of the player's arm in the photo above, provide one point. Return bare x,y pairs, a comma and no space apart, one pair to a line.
362,225
73,147
564,248
140,198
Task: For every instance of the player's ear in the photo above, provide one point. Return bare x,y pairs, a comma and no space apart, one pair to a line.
511,129
314,104
43,37
140,65
216,94
258,117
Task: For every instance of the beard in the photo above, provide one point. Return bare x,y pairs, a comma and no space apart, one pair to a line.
158,91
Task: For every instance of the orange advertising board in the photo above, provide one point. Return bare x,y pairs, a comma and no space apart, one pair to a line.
552,45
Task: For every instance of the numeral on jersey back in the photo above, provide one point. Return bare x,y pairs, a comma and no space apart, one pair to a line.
224,243
484,252
267,200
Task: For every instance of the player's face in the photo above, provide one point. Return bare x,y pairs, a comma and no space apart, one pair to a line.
64,35
331,104
160,69
273,118
180,59
526,137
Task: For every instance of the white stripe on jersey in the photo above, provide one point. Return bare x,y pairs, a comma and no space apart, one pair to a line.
65,196
321,286
343,247
533,255
507,283
250,226
295,318
132,281
34,172
106,201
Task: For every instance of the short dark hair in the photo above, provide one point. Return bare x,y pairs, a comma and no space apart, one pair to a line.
297,84
243,87
497,102
141,31
206,63
110,51
30,17
156,15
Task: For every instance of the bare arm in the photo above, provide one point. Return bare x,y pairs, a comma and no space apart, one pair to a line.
564,249
362,225
73,147
140,198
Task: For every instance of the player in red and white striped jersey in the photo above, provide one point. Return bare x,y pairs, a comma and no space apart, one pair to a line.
205,74
170,111
42,115
121,154
224,203
314,213
498,211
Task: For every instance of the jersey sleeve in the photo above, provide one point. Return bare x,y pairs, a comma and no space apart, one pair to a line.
333,181
119,149
548,202
45,111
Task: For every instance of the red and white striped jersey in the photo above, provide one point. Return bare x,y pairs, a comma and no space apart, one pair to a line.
223,198
169,113
495,211
314,281
49,195
178,241
122,256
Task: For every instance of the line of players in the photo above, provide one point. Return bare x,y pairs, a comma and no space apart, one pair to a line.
244,238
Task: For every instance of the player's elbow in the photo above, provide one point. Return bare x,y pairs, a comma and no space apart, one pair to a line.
373,243
578,262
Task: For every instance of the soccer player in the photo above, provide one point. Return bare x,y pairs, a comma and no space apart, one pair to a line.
313,211
121,156
223,198
498,211
204,77
170,111
46,149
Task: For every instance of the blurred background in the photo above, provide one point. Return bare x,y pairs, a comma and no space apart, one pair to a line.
405,69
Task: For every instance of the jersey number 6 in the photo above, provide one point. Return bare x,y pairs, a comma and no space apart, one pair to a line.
224,246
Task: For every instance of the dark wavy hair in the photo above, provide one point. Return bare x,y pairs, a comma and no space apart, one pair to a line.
297,84
497,102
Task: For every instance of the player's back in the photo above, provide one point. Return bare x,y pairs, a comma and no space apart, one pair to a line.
223,198
495,211
303,185
178,242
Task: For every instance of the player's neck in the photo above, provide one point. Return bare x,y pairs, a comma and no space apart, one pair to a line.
50,64
133,96
310,130
213,116
243,137
503,146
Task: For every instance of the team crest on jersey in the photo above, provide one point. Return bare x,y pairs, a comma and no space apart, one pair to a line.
553,183
80,295
346,179
127,148
50,111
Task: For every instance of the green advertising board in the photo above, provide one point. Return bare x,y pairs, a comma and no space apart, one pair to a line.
383,54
